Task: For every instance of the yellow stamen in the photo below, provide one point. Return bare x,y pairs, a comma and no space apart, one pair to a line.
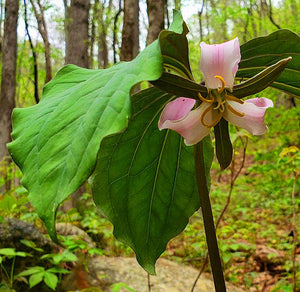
205,113
233,98
220,105
222,81
234,111
204,99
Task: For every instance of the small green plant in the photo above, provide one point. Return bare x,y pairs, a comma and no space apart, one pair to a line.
11,254
38,274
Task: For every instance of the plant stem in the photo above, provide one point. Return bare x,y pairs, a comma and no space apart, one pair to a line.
12,272
210,232
294,227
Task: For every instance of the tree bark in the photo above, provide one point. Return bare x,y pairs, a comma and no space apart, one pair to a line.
77,36
115,30
42,27
130,32
8,84
102,37
1,20
93,34
155,11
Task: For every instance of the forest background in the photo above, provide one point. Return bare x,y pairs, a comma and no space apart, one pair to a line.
257,226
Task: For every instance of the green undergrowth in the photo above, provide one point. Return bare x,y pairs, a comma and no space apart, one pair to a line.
259,213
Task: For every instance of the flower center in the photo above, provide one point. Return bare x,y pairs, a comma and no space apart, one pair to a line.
218,101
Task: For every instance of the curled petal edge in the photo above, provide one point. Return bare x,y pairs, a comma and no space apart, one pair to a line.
189,126
254,112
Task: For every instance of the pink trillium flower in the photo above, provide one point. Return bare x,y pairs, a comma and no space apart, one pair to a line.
219,64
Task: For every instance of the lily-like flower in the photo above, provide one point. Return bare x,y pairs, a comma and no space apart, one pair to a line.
219,64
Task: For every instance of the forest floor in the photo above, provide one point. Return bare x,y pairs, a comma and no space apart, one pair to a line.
258,237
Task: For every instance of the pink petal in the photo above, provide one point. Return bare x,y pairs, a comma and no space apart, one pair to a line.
187,125
254,110
176,109
221,59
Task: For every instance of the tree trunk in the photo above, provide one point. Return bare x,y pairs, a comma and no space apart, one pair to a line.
93,34
1,19
155,10
8,84
77,36
42,27
102,38
130,32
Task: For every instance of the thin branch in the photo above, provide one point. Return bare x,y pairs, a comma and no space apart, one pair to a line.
167,13
35,67
115,31
42,28
271,15
200,12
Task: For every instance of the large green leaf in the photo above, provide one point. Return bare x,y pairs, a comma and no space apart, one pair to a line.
144,180
55,143
261,52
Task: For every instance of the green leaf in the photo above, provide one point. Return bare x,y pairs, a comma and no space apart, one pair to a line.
56,141
31,244
120,287
144,180
174,47
8,252
223,144
31,271
58,270
180,86
262,52
36,279
50,280
261,80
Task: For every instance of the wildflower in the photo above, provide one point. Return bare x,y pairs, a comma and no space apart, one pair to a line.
219,64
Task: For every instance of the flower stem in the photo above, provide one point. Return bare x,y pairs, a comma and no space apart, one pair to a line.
210,232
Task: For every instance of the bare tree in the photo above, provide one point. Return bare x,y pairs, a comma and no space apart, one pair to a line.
104,21
8,82
77,33
34,56
42,27
1,20
116,18
130,32
155,11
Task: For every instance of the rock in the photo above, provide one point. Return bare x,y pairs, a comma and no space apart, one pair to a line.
171,277
13,230
70,229
268,258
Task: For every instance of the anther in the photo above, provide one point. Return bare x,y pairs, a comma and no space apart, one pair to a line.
233,98
220,106
222,81
205,113
234,111
204,99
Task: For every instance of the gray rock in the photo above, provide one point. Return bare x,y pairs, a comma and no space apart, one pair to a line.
171,277
13,230
68,229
